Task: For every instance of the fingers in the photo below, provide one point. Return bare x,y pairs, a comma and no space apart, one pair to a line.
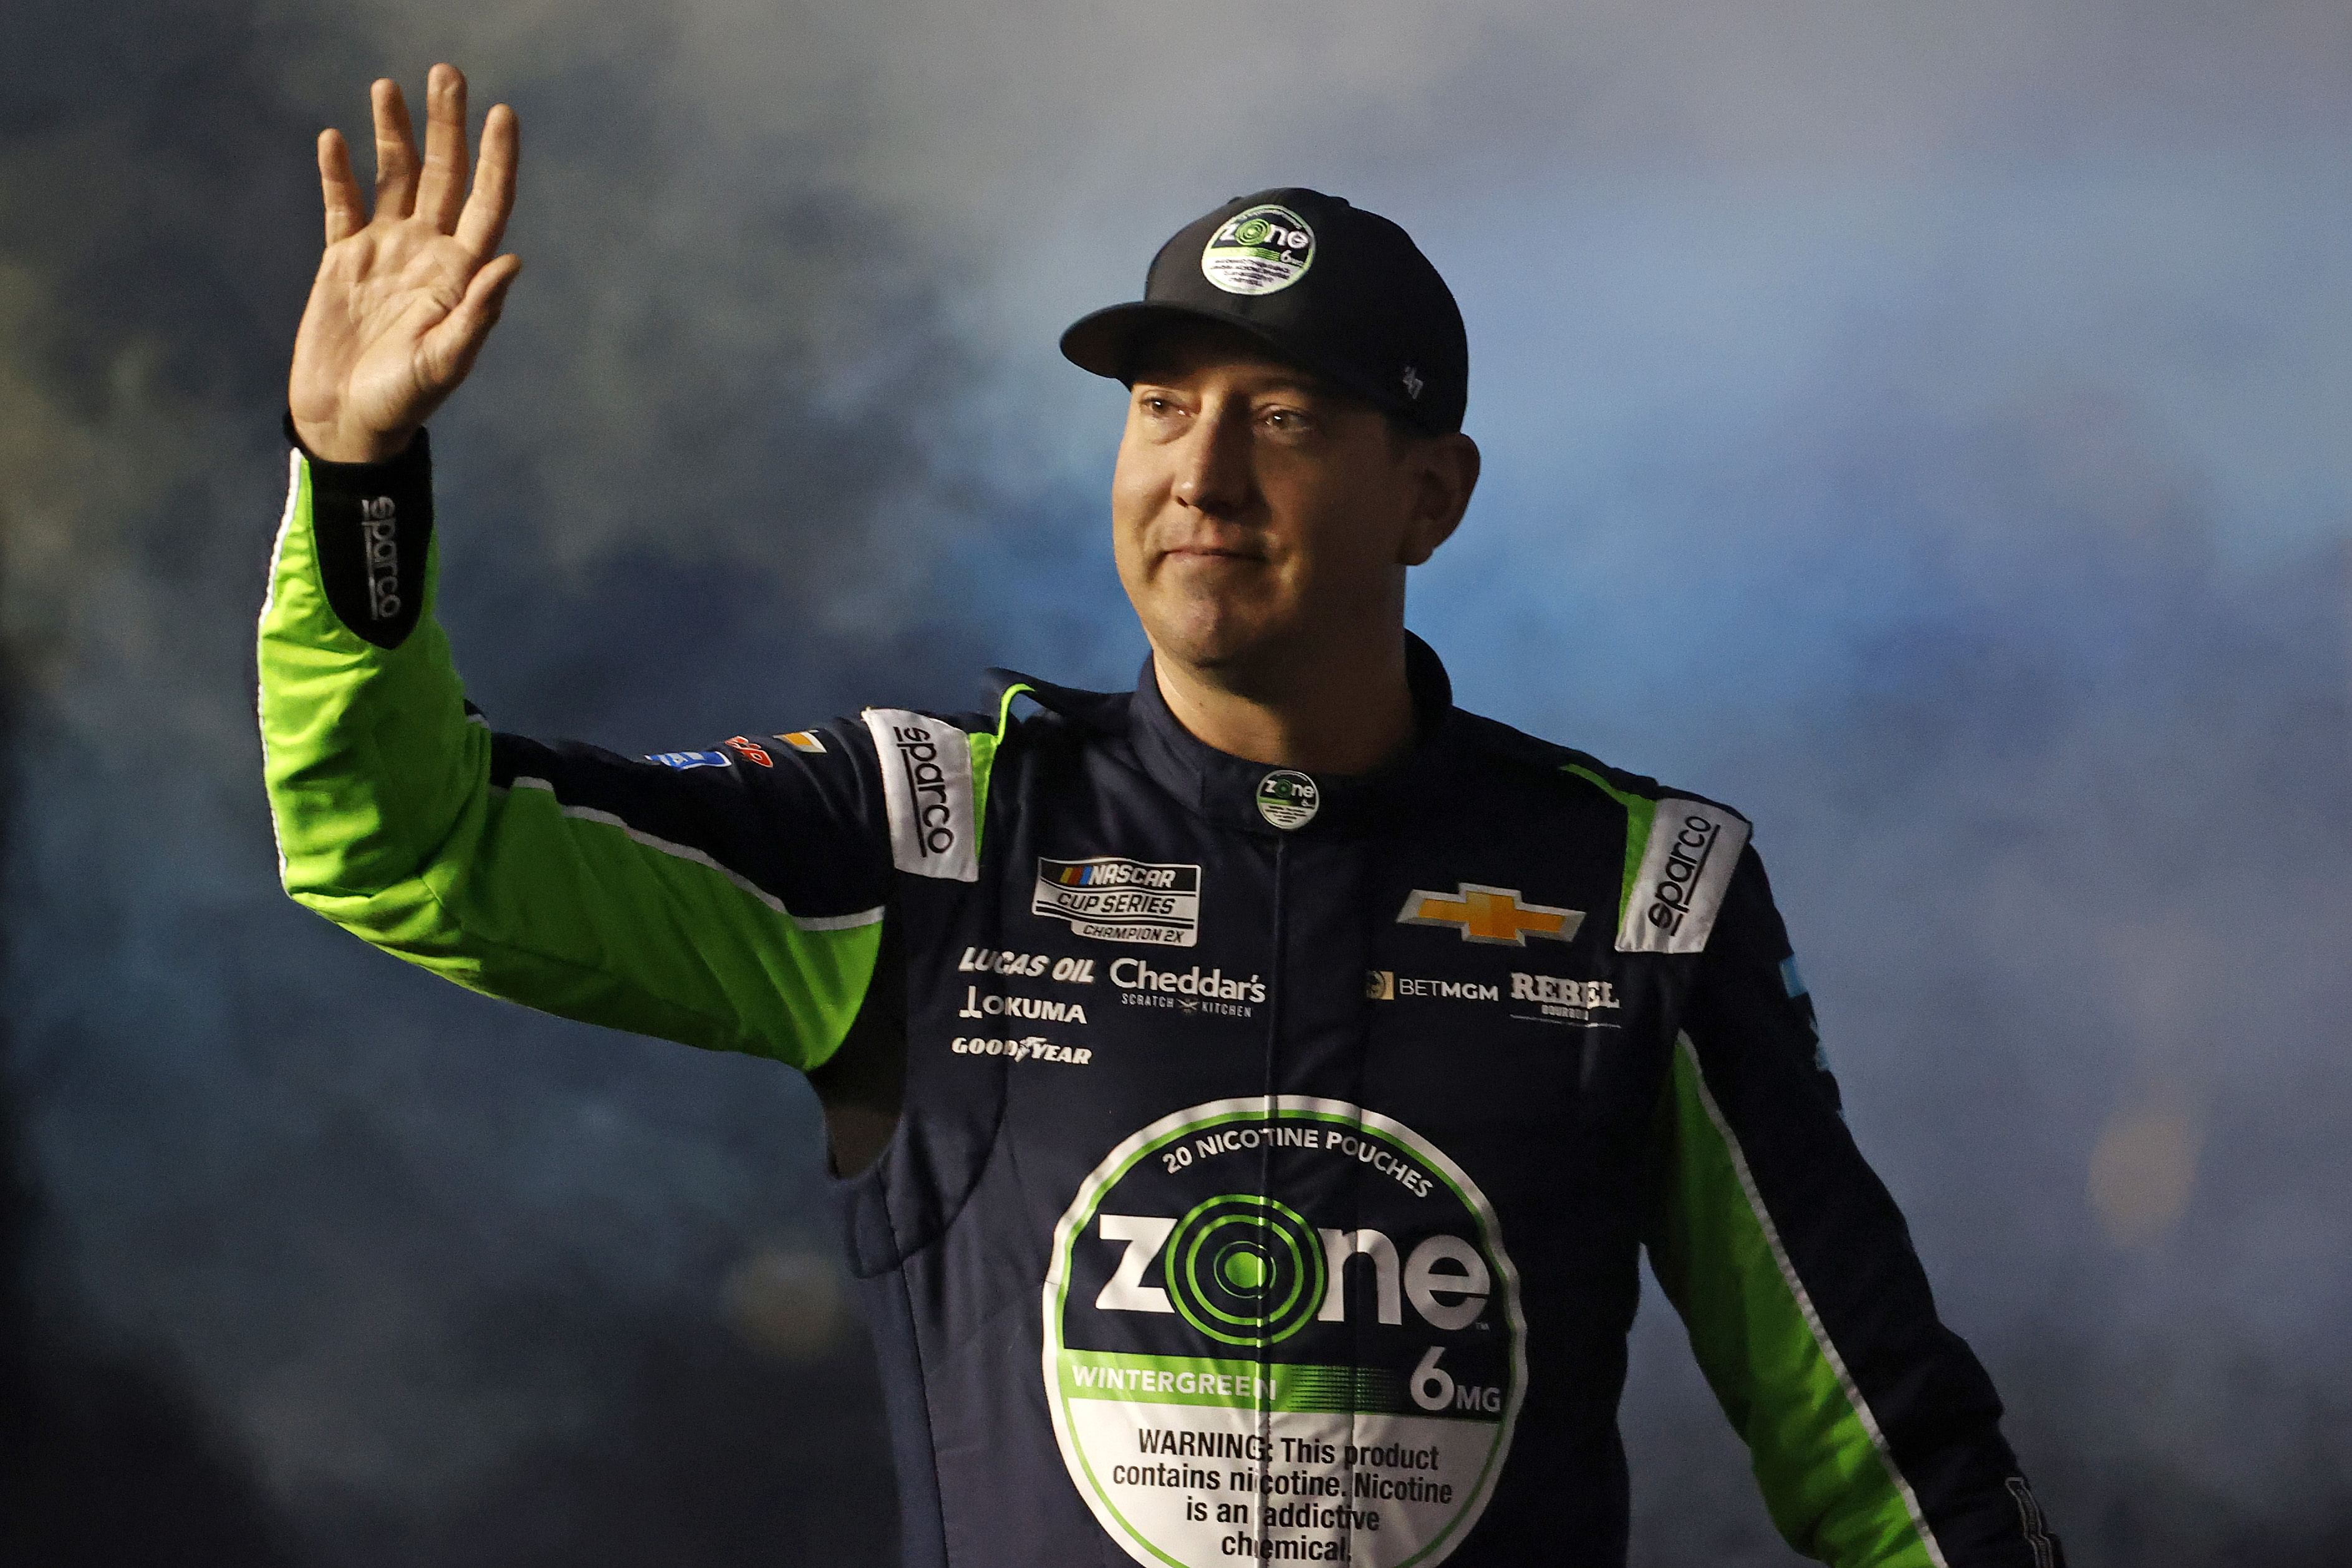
395,151
443,187
450,346
484,221
339,187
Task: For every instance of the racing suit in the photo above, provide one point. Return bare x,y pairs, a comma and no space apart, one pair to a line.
1272,1153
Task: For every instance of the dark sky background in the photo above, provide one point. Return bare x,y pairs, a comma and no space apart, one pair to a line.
1927,428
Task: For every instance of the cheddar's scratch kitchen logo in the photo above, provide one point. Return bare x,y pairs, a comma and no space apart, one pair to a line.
1187,990
1283,1330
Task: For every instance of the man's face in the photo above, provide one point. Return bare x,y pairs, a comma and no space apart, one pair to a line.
1257,512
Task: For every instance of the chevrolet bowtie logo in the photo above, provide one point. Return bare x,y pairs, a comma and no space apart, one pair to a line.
1490,915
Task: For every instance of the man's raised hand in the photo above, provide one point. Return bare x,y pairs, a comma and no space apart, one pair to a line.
403,300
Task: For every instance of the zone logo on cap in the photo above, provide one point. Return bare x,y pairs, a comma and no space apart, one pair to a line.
1258,250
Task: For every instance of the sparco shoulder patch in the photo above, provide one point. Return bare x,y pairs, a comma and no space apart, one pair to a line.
926,786
1688,864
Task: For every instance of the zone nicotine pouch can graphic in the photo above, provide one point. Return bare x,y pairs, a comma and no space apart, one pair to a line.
1283,1329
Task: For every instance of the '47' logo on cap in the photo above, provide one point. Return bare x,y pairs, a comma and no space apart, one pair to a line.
1490,915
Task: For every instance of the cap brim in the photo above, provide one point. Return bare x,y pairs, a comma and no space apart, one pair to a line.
1105,342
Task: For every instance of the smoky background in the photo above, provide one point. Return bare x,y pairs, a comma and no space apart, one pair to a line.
1928,429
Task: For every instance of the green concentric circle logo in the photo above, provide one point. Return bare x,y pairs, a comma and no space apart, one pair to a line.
1244,1269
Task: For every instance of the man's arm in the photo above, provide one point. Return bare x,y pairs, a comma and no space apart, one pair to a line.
733,902
1873,1432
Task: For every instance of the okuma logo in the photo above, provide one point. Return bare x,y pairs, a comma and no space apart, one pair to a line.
1283,1329
1258,251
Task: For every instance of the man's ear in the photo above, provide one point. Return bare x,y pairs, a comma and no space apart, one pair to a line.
1445,473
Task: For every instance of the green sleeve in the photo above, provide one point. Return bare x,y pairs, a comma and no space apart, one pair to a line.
1874,1430
571,887
1831,1487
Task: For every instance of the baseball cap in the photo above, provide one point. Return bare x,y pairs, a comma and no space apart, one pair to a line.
1329,286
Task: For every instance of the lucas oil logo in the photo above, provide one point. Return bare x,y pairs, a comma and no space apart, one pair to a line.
1258,251
1115,899
1283,1330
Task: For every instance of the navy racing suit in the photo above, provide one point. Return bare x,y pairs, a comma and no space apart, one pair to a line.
1262,1161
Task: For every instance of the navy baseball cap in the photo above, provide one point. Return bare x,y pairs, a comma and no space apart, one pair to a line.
1332,289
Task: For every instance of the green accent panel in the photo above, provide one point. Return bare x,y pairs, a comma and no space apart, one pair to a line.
983,763
1830,1492
387,824
1233,1385
1639,812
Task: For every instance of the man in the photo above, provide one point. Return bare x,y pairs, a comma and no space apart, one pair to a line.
1248,1097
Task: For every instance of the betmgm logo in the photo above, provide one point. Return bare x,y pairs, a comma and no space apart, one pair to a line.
1248,1270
